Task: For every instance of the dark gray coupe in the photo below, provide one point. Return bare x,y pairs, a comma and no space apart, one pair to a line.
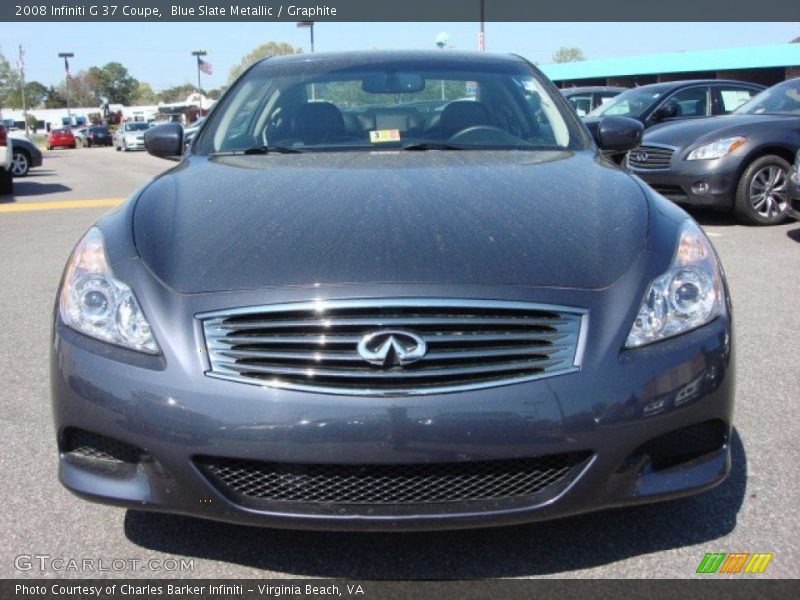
339,311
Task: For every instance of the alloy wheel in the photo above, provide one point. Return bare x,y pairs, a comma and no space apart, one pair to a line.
19,165
768,192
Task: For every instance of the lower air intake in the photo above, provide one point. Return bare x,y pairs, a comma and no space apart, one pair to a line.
253,483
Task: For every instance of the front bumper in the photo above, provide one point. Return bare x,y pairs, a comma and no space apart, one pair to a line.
705,183
612,411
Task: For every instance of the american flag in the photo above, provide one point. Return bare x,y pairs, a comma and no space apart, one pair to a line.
66,68
204,66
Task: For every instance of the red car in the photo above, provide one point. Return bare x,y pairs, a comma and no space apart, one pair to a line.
60,137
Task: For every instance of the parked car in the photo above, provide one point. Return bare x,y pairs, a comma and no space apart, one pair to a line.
677,100
740,162
130,136
79,133
6,157
586,98
97,135
190,131
794,198
312,322
25,157
60,138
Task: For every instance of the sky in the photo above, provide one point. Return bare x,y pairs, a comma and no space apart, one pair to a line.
159,53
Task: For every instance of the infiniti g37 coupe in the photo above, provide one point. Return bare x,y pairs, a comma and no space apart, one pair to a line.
340,312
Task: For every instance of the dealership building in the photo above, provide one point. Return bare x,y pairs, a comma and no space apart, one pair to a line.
767,65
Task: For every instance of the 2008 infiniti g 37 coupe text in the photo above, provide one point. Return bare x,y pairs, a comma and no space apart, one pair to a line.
392,290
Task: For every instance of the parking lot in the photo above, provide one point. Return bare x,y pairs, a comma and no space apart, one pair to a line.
753,511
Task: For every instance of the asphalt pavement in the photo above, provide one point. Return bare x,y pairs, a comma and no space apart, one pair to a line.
755,510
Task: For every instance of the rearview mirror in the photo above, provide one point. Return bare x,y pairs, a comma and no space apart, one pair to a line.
616,134
165,141
393,83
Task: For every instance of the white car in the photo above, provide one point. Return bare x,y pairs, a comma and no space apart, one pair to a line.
130,136
6,154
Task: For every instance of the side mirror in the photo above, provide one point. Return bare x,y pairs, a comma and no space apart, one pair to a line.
165,141
667,111
616,134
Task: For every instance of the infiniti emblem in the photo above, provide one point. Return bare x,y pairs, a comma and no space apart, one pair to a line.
639,156
388,348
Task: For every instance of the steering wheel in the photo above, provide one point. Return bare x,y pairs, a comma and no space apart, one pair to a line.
485,134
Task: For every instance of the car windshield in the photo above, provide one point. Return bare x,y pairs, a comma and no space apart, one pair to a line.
630,103
136,126
781,99
330,104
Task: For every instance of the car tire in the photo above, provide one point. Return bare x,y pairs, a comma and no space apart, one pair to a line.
762,194
20,163
72,147
49,147
6,183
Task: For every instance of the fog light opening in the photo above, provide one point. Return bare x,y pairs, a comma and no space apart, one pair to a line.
682,445
700,187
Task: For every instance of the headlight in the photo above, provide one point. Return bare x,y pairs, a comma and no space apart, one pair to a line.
716,149
687,296
98,304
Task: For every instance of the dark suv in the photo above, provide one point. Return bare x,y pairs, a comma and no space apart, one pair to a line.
663,102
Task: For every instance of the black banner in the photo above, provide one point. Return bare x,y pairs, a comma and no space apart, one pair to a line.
317,589
393,10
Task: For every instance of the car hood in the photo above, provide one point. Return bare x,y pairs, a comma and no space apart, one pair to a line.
684,133
503,218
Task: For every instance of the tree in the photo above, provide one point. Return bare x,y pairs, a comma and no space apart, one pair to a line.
216,93
567,54
54,98
114,83
264,50
35,93
144,94
176,93
8,80
82,89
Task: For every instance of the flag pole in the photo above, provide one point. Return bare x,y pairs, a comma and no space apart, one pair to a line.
198,54
66,56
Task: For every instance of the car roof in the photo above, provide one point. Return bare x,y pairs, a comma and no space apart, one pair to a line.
445,58
667,85
591,88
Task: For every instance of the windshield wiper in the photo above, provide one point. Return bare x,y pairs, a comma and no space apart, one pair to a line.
433,146
259,150
270,149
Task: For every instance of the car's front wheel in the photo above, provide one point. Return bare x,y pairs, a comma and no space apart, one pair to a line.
20,164
762,195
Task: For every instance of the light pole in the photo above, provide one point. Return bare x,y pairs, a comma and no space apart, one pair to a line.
482,34
66,56
197,54
441,42
310,25
22,87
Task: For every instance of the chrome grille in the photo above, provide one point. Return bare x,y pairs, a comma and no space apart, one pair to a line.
650,157
470,344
